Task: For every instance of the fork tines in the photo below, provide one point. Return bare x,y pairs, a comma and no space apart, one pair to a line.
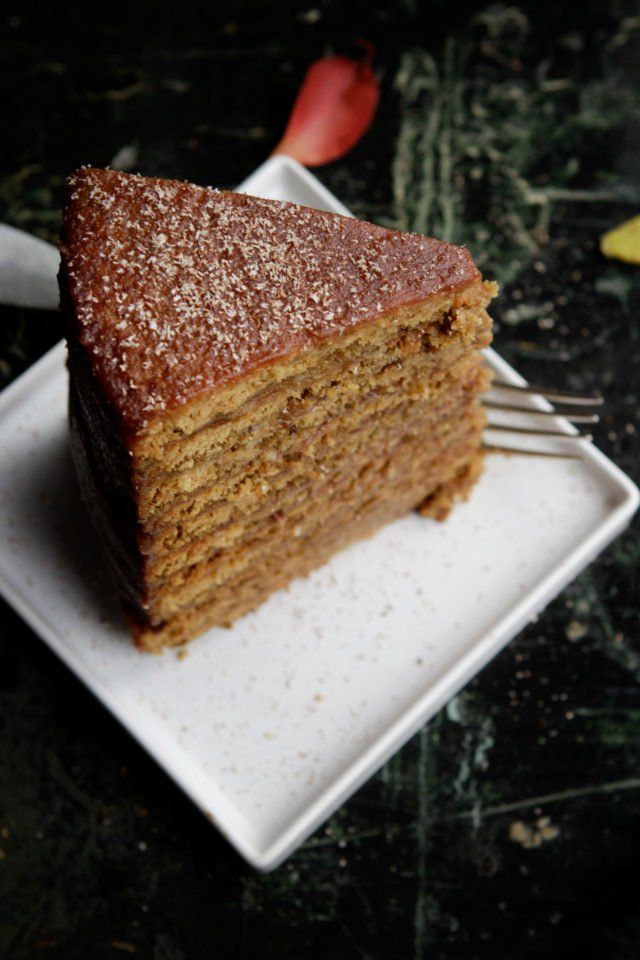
568,399
557,396
565,412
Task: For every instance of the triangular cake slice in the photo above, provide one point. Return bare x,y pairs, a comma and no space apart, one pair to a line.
254,385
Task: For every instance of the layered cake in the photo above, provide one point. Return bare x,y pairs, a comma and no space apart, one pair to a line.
254,385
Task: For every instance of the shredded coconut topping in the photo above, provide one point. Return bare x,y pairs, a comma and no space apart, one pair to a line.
176,289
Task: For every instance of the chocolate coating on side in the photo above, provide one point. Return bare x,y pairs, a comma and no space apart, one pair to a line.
176,290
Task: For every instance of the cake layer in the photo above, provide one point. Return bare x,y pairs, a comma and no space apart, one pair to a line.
426,486
259,457
247,593
401,363
302,478
300,404
338,507
432,329
306,481
189,518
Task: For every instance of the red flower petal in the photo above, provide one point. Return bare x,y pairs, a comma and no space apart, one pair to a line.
333,110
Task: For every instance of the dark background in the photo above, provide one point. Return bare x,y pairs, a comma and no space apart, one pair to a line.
509,826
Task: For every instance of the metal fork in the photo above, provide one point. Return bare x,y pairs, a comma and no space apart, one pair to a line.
577,408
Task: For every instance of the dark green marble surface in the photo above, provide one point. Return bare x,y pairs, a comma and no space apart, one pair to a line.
510,826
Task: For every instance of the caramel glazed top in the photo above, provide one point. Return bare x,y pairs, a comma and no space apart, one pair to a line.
174,290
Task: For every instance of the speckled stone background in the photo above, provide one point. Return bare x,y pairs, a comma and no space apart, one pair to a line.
510,826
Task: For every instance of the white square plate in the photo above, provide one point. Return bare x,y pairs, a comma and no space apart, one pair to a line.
271,725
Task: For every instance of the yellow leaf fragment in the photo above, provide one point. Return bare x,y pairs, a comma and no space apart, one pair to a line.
623,242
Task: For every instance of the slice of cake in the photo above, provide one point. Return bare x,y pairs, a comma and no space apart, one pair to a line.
254,385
